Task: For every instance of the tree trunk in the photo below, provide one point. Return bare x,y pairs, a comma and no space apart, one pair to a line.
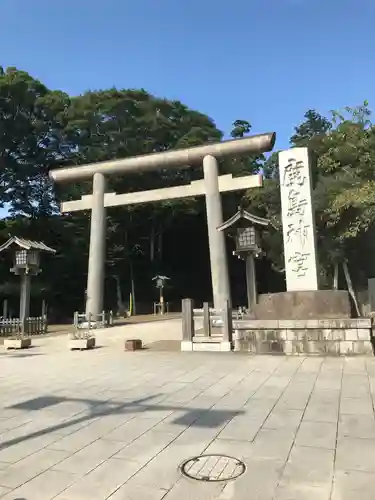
152,244
120,303
132,283
350,286
336,276
160,244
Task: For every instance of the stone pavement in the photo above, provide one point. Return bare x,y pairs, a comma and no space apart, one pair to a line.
107,424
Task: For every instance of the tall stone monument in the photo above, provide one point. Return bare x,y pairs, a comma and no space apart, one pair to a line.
299,234
302,319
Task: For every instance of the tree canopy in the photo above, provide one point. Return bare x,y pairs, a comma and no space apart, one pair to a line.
42,129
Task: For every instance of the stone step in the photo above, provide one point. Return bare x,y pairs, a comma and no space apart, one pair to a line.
208,340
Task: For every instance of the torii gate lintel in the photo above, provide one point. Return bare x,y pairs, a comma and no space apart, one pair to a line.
227,183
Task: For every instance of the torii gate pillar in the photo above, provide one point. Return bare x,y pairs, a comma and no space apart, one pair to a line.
96,267
216,239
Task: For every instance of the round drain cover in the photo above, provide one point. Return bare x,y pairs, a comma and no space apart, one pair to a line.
213,468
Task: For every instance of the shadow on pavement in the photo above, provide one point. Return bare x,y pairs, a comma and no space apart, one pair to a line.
14,354
196,417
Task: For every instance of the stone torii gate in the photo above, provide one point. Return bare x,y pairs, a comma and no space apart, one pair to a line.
210,186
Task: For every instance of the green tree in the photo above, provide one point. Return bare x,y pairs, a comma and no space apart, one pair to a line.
29,142
314,126
344,189
240,128
345,197
120,123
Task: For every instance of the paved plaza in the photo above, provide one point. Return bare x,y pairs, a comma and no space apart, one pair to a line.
109,424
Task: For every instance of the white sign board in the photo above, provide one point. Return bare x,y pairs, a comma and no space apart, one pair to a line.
298,220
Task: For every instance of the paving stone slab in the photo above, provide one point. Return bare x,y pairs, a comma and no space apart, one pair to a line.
355,386
353,485
102,482
163,472
43,487
147,446
259,481
273,444
20,472
256,409
356,454
241,429
287,419
290,491
186,489
233,448
4,491
309,466
357,426
328,381
13,450
325,396
293,400
132,430
356,406
321,412
89,457
130,491
317,434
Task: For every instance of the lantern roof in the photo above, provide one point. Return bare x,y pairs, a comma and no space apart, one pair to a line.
23,244
160,277
242,216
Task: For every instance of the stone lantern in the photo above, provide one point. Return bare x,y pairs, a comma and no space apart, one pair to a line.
160,282
246,229
26,263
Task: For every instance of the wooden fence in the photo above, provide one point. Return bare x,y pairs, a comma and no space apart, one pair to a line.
30,326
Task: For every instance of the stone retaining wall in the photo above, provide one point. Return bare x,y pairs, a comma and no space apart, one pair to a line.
293,337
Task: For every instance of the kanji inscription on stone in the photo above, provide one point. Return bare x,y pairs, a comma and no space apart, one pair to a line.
298,220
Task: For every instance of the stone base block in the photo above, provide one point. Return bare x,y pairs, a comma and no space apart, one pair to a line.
82,344
327,304
206,346
225,346
93,325
17,343
363,347
133,344
212,346
186,346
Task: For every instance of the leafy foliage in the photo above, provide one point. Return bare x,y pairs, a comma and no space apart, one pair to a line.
344,183
41,129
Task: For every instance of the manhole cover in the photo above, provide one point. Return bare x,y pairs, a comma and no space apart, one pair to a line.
213,468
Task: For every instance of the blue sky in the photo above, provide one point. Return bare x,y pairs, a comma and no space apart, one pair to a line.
265,61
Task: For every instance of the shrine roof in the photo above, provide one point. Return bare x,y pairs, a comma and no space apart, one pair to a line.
26,245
